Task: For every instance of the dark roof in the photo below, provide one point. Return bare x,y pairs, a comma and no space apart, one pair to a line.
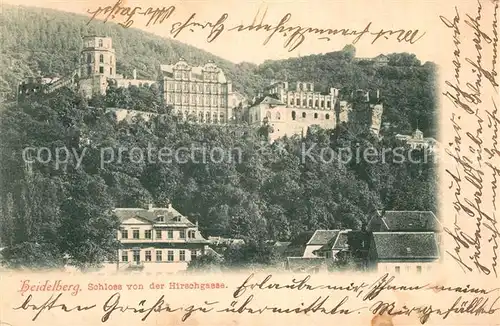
170,215
269,100
321,237
302,238
405,245
337,243
408,221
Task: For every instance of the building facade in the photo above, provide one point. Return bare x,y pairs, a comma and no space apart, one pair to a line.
417,140
157,239
289,112
198,93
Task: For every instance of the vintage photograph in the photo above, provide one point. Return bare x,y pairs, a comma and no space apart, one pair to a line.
126,152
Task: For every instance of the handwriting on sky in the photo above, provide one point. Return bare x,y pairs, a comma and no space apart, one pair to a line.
294,35
471,97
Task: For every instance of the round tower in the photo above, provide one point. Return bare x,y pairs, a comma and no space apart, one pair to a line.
97,57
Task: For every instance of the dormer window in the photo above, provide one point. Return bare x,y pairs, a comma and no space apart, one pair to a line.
191,234
177,219
161,218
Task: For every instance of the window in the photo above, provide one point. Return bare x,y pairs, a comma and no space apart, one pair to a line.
170,255
101,58
137,256
293,115
170,234
158,234
182,255
328,104
292,101
315,116
182,234
100,43
124,234
327,116
221,117
194,254
101,70
110,71
135,234
397,269
124,256
89,58
148,255
89,70
147,234
316,103
158,255
419,269
191,234
303,114
185,87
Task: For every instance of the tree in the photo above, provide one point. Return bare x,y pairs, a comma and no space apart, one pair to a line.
205,263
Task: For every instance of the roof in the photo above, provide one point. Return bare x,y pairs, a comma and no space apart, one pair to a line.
170,215
337,243
321,237
195,71
407,221
269,100
405,245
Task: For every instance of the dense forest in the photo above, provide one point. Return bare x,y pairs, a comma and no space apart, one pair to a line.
47,41
258,192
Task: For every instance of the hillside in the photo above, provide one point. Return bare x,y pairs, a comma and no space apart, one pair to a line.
49,41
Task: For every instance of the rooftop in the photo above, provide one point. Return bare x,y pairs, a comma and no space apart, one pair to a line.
406,245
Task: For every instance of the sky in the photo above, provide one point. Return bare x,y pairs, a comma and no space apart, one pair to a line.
248,46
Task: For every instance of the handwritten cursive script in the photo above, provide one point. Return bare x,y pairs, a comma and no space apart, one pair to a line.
294,35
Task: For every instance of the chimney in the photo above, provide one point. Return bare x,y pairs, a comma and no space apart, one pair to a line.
135,73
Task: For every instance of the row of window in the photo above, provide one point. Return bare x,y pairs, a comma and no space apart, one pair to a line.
203,116
90,58
186,75
316,115
195,87
159,255
309,103
397,269
195,100
148,234
101,70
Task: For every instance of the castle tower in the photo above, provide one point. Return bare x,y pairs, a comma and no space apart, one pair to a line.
98,57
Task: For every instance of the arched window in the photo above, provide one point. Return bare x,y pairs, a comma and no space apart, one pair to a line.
328,104
303,114
278,116
100,43
214,117
310,102
101,58
304,102
327,116
315,116
293,115
316,103
292,101
268,115
322,103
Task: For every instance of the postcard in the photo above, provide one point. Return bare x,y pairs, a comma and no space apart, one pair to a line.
242,162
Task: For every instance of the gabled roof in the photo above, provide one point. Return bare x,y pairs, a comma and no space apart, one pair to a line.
269,100
170,215
321,237
406,221
337,243
405,245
